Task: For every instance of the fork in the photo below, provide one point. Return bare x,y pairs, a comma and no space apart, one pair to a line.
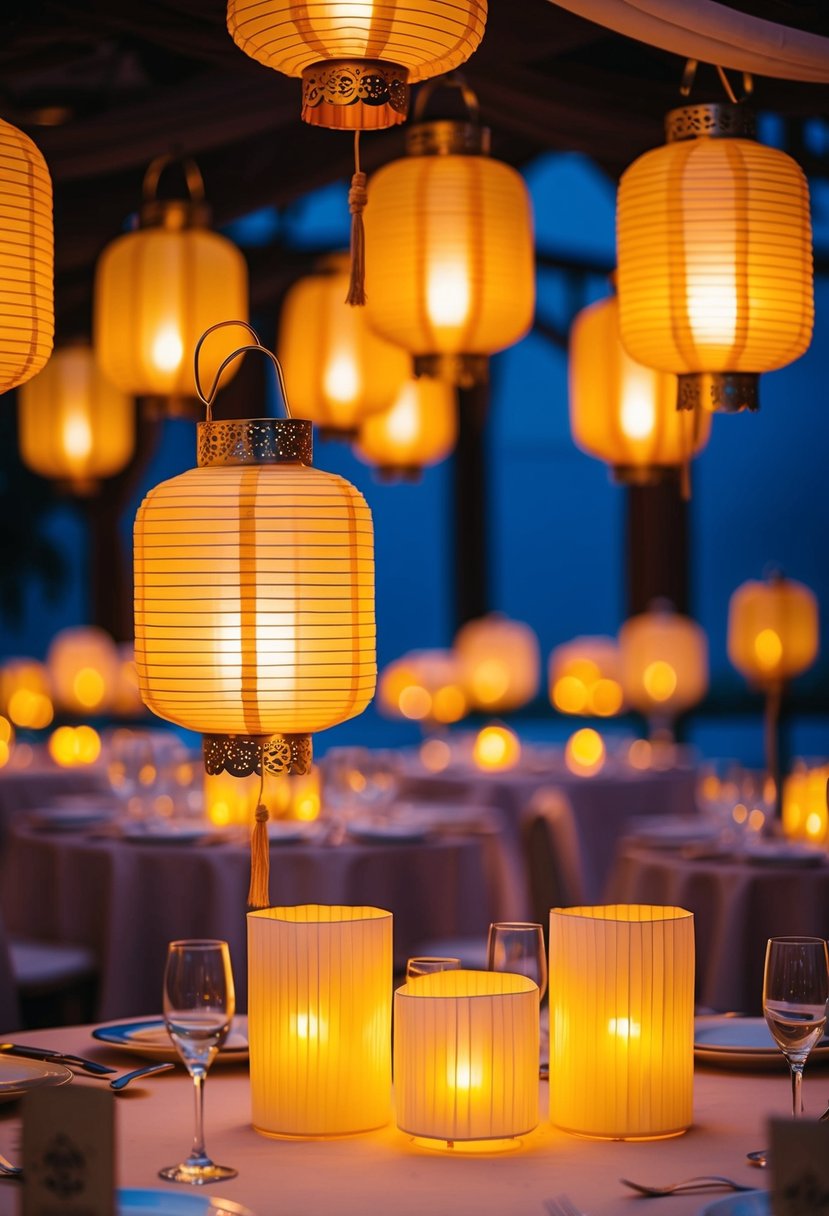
562,1205
706,1182
8,1170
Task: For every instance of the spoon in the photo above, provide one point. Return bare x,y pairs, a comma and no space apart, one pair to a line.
123,1081
708,1182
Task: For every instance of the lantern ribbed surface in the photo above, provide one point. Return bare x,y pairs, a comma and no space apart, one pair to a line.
621,1020
449,255
466,1055
27,311
73,423
715,257
419,428
621,411
664,662
319,1019
254,599
156,291
773,629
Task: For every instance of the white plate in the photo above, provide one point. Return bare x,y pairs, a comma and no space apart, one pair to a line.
779,852
743,1043
668,831
748,1203
404,832
167,831
19,1075
173,1203
67,817
148,1037
289,831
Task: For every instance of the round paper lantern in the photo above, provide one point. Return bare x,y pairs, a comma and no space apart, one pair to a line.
84,668
26,693
27,310
419,429
337,370
623,412
159,288
74,425
357,60
424,685
664,662
450,270
772,630
584,677
715,258
500,662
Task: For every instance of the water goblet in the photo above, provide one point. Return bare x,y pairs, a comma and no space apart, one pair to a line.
199,1003
795,991
429,964
518,947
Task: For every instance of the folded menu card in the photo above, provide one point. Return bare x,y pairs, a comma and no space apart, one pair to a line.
800,1167
69,1152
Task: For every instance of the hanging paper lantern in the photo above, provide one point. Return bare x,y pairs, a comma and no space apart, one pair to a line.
623,412
27,311
158,288
500,662
83,668
338,371
715,257
420,428
450,272
584,677
664,662
424,686
357,59
772,630
74,425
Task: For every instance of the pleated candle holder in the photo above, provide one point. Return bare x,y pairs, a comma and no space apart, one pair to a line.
622,1021
319,1019
466,1058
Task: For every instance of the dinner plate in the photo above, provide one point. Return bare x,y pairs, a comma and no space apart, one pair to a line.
167,831
669,831
19,1075
781,852
149,1038
290,831
743,1043
156,1202
70,815
401,832
747,1203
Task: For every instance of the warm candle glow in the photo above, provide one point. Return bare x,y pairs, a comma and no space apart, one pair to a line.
83,667
424,684
73,746
659,679
26,693
805,815
496,748
584,754
664,662
773,629
584,677
500,661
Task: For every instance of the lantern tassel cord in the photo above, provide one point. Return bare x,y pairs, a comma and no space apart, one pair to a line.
260,861
357,199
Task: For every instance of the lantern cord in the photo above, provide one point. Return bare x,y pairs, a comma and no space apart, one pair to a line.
260,860
357,199
685,453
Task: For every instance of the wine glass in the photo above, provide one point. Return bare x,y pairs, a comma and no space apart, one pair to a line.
518,946
795,991
429,964
199,1002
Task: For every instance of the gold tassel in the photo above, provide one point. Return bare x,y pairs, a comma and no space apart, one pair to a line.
357,199
260,858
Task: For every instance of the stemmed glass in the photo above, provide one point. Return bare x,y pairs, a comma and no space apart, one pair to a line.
199,1003
795,991
518,946
429,964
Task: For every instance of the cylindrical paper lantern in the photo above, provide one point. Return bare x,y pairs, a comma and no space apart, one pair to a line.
419,429
357,60
159,288
450,268
319,1019
496,748
664,659
83,667
500,661
75,426
466,1056
622,1021
337,370
623,412
424,685
805,812
715,257
773,630
585,752
584,677
27,310
26,693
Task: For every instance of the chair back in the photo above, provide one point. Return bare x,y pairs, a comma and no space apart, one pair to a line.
10,1018
552,853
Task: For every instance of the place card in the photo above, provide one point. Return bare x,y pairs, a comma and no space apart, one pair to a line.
69,1152
799,1167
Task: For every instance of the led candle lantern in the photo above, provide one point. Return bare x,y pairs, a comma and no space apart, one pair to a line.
75,426
27,309
418,429
230,800
466,1057
500,661
424,686
83,668
622,1021
715,257
664,664
584,677
26,693
496,748
585,752
805,813
319,1019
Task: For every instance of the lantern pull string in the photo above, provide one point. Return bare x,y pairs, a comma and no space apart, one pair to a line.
357,199
208,398
260,859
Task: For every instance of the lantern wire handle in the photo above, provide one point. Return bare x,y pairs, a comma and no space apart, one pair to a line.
192,177
689,74
208,399
452,80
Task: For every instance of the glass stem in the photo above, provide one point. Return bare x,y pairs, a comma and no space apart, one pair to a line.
197,1153
797,1090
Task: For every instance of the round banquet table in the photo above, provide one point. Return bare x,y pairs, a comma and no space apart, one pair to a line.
41,781
738,904
127,899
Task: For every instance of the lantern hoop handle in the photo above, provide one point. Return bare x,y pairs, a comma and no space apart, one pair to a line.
452,80
690,71
192,177
208,398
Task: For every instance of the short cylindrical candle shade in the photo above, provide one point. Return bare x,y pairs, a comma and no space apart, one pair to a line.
622,1021
26,693
337,370
501,662
75,426
585,678
83,668
623,412
319,1019
424,685
418,429
664,659
773,630
466,1056
27,309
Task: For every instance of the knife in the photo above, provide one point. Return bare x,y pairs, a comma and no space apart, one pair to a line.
60,1057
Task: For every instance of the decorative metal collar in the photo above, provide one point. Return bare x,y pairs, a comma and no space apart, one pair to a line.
448,137
338,92
255,441
719,120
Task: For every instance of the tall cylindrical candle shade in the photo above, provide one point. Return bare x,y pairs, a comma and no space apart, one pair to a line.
466,1056
319,1019
622,1021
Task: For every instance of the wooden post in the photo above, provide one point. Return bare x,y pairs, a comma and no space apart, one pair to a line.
470,491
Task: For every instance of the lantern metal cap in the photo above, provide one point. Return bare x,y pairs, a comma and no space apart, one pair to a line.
462,370
640,474
355,94
719,392
448,137
718,120
242,755
174,214
255,441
